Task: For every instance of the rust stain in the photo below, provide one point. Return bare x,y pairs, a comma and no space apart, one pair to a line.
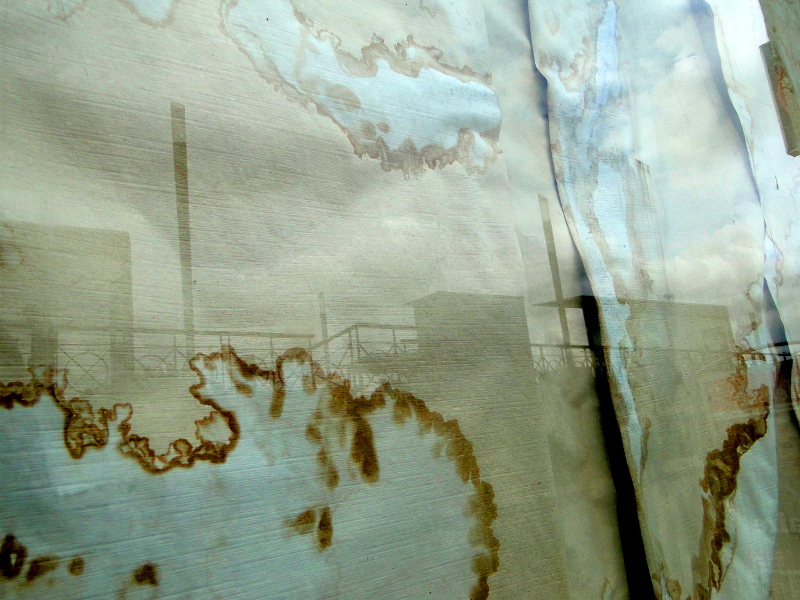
325,529
12,557
720,480
454,445
83,428
674,589
44,380
328,467
40,566
278,399
362,451
784,85
303,523
457,447
458,450
405,406
330,472
342,403
183,453
735,393
86,428
343,418
719,483
244,389
76,566
313,434
147,574
661,581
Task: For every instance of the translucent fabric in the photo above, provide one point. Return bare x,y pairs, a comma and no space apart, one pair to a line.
432,299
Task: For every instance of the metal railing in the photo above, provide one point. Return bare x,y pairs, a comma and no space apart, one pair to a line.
366,353
550,357
92,356
360,353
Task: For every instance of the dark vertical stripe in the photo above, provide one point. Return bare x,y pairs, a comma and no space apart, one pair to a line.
184,225
637,571
323,318
547,224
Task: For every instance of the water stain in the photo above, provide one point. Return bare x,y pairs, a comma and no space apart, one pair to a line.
155,14
377,90
344,96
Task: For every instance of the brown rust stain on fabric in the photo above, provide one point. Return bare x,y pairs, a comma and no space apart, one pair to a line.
12,557
719,484
330,472
182,453
39,566
76,566
720,479
44,380
85,427
325,529
344,407
147,574
458,450
362,451
341,424
304,523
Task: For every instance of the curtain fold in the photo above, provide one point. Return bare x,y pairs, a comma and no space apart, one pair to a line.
657,185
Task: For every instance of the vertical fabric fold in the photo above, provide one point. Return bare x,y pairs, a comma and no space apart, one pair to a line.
656,187
587,549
